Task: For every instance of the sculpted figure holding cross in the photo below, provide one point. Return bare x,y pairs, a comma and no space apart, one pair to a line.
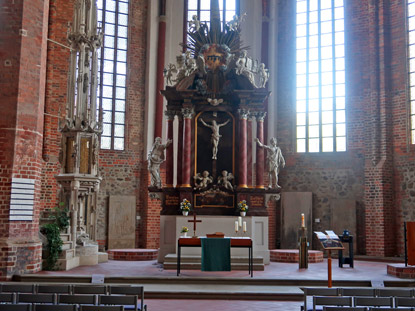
155,157
215,135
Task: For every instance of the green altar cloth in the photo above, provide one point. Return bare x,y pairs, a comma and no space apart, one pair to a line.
216,254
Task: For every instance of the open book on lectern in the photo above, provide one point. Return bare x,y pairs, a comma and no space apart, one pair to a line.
329,240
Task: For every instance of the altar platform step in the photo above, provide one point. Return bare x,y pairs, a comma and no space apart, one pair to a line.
189,262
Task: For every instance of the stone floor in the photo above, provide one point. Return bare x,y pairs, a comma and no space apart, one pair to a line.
363,270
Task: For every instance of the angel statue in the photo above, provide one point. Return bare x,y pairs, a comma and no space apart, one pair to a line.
225,180
194,24
263,75
202,181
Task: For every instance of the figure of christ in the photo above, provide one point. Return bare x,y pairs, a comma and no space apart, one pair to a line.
215,135
275,159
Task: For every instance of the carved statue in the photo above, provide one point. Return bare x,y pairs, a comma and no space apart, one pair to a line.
168,73
235,23
215,101
190,63
275,159
243,66
263,75
180,67
155,157
225,180
202,181
194,24
215,135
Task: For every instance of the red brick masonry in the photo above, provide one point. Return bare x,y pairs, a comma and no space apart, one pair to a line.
132,254
291,255
399,270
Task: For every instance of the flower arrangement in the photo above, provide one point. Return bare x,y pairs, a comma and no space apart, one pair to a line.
185,205
242,206
184,229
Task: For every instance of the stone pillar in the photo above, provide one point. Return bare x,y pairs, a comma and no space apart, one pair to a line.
243,116
249,151
160,67
21,132
260,116
169,151
180,152
187,147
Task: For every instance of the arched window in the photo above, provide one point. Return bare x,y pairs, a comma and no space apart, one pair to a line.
411,54
201,8
320,73
112,71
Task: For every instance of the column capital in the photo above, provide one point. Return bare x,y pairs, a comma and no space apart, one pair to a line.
243,114
170,114
260,116
188,113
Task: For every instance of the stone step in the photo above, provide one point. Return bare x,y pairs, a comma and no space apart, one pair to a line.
197,266
68,264
65,254
65,237
67,245
172,258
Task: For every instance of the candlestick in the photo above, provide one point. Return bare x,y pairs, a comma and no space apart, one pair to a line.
240,221
302,221
244,226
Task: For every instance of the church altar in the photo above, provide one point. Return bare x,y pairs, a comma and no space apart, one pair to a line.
170,227
216,107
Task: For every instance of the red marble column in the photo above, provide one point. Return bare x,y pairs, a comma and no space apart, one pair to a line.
159,74
243,116
249,152
260,151
180,152
187,145
169,151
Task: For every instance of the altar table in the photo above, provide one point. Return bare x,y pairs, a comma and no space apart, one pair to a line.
235,243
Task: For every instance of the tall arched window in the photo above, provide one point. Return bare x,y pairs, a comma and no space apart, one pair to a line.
112,71
411,54
320,73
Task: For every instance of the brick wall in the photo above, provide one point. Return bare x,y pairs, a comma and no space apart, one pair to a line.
23,49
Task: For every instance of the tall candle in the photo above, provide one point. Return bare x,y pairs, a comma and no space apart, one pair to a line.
240,221
236,226
244,226
302,221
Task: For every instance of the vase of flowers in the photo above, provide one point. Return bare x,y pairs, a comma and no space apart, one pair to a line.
243,208
184,231
185,207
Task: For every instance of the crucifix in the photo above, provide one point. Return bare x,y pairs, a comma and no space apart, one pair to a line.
194,221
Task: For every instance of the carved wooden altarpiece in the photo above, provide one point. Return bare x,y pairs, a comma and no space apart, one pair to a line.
216,93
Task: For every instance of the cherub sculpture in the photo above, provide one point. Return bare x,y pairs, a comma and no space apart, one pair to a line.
202,181
235,23
225,180
263,75
194,24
